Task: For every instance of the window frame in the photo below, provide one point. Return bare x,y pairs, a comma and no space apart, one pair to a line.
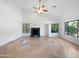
77,28
54,26
27,25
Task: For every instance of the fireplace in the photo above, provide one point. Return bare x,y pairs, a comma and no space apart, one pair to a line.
35,32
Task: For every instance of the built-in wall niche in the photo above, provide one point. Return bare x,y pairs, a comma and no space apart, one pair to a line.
55,28
26,28
72,28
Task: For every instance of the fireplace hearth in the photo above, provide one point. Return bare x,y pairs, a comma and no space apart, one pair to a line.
35,32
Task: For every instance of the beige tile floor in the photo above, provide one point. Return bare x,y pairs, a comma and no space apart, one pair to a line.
43,47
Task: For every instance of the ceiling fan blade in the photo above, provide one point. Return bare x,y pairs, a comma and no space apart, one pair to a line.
45,10
35,10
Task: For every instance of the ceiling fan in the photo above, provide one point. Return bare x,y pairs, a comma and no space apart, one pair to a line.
40,9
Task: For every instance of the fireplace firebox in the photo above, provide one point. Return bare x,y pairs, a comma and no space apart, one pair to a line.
35,32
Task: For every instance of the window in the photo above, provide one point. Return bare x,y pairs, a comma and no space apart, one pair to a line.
26,28
54,28
72,28
78,28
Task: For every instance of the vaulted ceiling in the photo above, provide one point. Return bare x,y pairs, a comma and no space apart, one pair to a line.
62,6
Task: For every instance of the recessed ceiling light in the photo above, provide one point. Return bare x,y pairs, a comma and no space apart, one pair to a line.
54,6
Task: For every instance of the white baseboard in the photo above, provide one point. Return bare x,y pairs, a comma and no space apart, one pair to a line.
4,40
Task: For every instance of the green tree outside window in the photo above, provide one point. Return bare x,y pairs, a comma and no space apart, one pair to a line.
71,28
26,28
54,28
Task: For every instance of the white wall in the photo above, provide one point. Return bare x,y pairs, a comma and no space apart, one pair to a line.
69,17
10,23
36,20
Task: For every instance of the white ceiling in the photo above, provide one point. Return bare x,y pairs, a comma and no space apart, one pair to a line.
62,6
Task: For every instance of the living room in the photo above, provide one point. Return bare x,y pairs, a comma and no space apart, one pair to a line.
59,22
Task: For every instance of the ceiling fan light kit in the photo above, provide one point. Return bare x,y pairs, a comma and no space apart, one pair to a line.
41,9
